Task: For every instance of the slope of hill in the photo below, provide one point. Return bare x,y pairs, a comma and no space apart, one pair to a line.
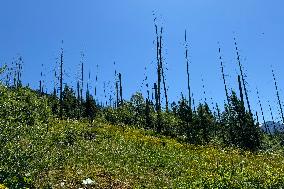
39,151
119,157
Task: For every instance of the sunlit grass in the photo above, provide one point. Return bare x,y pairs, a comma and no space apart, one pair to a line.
122,157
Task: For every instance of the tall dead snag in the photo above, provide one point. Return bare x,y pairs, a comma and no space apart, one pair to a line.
78,91
241,90
152,95
242,116
261,109
256,114
120,89
148,92
187,69
278,96
157,86
158,99
40,83
78,100
82,77
19,71
105,93
7,77
272,117
218,111
14,73
116,85
223,76
96,83
61,83
158,110
145,81
117,94
193,103
162,70
89,78
204,92
110,100
242,76
156,96
88,81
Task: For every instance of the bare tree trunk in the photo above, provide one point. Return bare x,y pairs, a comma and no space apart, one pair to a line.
82,77
278,96
272,117
117,94
158,73
204,92
162,71
242,75
241,90
61,83
223,76
120,89
261,109
187,70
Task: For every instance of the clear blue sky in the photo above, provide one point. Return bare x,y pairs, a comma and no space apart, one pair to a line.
123,31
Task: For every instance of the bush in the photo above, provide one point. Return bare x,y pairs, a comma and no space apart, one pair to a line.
24,118
170,124
23,106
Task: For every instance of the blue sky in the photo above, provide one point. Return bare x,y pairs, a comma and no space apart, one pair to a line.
123,31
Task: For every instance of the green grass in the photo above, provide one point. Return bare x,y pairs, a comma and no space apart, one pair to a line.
130,158
37,150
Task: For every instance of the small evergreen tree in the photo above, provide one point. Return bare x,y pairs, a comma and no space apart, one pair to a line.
240,126
69,103
204,124
90,107
138,103
184,113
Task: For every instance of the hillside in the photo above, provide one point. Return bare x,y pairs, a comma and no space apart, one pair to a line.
41,151
121,157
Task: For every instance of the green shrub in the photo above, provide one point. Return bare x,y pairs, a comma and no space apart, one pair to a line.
24,118
23,106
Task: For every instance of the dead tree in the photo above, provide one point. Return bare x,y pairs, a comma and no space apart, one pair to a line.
187,69
204,92
158,92
117,94
157,86
120,89
96,80
223,76
272,117
278,96
162,70
19,71
82,77
61,83
241,90
261,109
242,76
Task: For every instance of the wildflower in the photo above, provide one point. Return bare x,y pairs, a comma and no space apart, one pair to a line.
88,181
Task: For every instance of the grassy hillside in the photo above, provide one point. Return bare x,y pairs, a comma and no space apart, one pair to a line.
40,151
129,158
120,157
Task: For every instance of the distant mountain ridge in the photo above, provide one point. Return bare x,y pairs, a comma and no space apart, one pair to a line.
272,127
